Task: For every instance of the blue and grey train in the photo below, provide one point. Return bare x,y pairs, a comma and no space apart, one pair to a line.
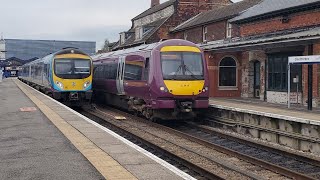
65,75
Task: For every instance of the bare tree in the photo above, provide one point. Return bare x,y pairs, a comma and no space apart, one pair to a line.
106,46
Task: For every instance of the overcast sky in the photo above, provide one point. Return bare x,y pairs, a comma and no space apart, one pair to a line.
68,19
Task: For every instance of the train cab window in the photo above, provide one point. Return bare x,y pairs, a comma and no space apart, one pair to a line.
182,66
72,68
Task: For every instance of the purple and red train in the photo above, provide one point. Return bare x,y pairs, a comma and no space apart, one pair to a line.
164,80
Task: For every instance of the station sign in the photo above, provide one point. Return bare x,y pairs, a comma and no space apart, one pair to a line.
304,59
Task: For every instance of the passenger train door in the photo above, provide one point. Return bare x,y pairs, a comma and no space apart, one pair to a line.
120,75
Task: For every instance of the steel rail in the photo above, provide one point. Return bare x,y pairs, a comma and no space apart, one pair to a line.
253,160
187,163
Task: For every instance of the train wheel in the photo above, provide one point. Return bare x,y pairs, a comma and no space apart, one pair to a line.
50,95
154,119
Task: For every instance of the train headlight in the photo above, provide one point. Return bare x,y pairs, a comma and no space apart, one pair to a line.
204,89
60,85
163,89
86,84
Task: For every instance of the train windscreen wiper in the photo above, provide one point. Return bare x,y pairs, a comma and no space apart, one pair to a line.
192,74
176,72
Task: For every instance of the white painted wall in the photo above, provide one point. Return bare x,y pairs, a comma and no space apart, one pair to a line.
281,97
154,17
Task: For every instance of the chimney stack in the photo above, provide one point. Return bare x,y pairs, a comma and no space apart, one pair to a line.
155,3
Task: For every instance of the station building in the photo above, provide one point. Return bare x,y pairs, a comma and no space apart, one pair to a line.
247,51
155,23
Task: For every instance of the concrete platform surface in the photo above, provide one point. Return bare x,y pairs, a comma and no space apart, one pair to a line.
105,154
31,147
261,108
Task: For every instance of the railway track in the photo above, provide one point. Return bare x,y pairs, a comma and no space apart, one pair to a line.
191,155
283,162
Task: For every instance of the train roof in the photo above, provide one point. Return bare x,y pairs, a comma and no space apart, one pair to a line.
62,51
144,47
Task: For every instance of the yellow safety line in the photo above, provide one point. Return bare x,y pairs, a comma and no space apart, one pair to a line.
106,165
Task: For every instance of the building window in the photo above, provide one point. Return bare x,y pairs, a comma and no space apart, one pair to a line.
146,30
122,38
229,30
204,33
278,76
228,72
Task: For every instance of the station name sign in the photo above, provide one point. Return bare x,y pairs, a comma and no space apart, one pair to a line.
304,59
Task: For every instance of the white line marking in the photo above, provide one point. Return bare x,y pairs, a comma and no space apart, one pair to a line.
127,142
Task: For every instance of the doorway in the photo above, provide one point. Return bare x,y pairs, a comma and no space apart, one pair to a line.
256,86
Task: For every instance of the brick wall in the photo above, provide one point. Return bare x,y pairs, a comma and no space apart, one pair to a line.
298,20
213,60
187,9
194,35
216,31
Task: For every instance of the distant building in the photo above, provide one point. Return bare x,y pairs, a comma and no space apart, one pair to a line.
29,49
156,22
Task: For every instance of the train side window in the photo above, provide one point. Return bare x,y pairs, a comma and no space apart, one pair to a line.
113,71
98,72
134,67
146,69
106,71
133,70
95,70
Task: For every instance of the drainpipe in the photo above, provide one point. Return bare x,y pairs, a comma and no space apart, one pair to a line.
310,78
265,80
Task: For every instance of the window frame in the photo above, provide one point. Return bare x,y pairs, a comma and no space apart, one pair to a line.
204,33
185,35
236,68
272,62
229,30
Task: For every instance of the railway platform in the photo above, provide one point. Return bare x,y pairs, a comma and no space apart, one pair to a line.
296,128
43,139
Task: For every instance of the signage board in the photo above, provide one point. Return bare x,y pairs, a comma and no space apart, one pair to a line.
304,59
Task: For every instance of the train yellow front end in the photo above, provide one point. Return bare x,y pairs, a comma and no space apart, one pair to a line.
72,78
